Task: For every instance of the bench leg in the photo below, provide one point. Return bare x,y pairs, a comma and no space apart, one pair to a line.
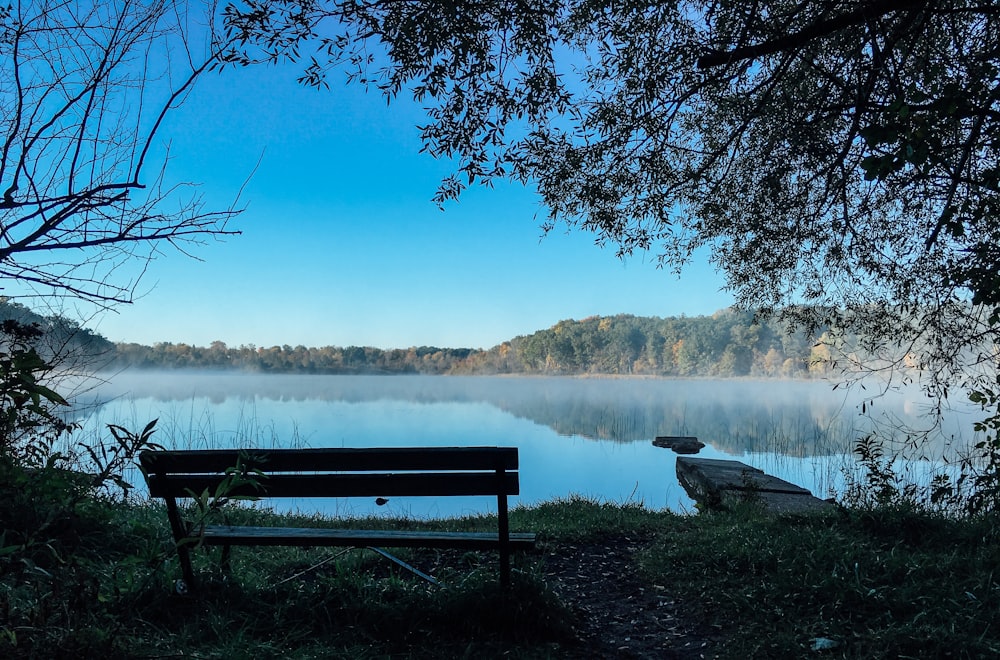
503,527
224,559
184,554
181,541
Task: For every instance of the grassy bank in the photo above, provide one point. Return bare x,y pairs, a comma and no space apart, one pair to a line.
882,583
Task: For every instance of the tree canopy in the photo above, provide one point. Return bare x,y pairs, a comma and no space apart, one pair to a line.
841,153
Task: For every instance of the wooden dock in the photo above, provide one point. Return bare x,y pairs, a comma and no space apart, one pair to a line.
714,483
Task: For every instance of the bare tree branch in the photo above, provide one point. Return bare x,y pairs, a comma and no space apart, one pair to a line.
86,86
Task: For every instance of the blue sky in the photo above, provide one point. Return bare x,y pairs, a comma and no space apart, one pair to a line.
341,244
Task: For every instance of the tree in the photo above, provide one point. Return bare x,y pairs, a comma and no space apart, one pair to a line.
839,159
86,87
841,153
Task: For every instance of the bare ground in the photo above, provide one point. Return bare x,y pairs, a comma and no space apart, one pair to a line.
620,614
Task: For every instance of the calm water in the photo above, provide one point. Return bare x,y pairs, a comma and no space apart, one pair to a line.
589,437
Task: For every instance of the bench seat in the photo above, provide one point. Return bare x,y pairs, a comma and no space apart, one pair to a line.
313,536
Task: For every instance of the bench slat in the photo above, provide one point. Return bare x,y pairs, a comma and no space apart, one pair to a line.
331,460
309,536
344,485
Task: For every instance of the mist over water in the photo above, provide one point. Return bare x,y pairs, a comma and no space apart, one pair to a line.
583,436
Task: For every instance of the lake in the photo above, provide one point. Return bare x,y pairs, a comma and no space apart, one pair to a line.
576,436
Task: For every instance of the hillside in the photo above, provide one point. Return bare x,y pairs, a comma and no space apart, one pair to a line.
62,342
726,344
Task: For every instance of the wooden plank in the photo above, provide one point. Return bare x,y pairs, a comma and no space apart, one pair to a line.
310,536
344,485
715,483
733,475
792,502
327,460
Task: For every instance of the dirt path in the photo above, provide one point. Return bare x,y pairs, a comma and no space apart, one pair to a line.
620,615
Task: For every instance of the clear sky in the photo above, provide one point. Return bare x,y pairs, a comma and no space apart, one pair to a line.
341,244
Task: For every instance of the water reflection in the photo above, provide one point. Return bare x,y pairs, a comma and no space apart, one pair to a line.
793,418
590,437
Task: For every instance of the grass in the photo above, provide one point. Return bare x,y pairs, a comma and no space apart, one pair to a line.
877,582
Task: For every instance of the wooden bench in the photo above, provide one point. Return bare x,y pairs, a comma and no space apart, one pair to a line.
305,473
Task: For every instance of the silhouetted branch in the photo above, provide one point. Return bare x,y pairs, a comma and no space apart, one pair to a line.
866,12
90,87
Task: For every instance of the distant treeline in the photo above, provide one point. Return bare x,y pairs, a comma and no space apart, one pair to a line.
728,343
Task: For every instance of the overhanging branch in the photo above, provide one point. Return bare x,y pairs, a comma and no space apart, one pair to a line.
819,29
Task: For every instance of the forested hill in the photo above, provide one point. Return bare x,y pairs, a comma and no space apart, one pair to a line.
725,344
62,341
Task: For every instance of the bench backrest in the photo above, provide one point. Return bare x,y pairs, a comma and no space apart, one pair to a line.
410,471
